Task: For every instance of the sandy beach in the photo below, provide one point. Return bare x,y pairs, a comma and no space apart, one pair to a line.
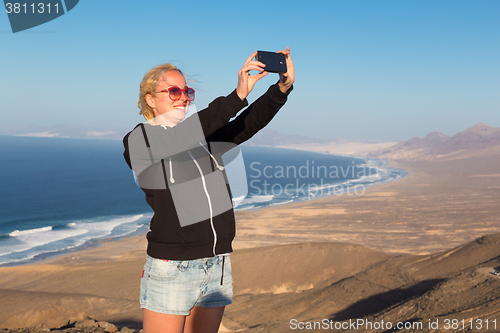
441,204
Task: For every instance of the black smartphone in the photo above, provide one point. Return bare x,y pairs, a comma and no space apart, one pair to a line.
275,62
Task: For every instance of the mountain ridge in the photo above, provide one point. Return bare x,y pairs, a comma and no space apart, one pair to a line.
436,144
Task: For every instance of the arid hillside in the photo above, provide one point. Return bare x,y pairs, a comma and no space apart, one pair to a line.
457,284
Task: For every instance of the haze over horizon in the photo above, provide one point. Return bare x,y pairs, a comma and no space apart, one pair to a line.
366,70
266,136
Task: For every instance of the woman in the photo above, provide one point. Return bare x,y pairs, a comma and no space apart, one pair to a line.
186,282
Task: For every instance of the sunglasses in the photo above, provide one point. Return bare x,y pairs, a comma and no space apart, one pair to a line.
175,93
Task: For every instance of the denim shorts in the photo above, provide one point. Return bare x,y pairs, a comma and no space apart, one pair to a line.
176,286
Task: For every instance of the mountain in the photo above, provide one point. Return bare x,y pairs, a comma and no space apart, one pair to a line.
477,136
436,144
430,140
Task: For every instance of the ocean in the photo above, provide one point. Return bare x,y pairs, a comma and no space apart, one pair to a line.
60,195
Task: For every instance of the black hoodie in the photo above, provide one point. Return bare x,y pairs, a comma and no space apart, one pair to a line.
180,169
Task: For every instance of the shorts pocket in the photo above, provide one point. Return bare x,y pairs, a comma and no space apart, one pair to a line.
164,270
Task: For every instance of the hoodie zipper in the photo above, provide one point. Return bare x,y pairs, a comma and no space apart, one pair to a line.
208,198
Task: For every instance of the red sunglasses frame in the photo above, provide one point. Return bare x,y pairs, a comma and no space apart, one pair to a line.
182,91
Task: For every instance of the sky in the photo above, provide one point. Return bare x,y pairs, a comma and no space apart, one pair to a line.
384,70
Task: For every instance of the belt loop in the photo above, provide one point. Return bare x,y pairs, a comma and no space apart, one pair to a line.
222,277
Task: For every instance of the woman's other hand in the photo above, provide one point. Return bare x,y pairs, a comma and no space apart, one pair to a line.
246,82
288,78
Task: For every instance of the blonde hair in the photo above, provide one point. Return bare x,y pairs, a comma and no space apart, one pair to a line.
149,84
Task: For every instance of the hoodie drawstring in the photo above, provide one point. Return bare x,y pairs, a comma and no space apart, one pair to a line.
172,180
212,156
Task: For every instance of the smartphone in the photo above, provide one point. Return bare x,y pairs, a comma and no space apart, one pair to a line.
275,62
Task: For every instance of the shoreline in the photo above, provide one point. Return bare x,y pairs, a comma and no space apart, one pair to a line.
321,192
100,251
248,232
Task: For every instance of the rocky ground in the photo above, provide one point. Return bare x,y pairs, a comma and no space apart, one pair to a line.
88,325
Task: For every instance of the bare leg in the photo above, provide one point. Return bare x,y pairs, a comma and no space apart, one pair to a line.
155,322
203,320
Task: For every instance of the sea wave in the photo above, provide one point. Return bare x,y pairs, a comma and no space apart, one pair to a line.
280,203
23,245
257,199
237,201
17,233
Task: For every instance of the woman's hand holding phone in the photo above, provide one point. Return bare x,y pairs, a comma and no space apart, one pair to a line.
246,82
